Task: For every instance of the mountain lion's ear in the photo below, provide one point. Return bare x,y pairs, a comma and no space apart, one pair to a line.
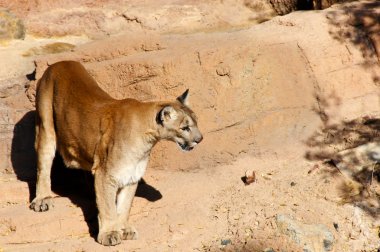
184,98
165,115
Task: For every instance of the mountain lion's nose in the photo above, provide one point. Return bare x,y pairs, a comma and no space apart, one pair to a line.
198,140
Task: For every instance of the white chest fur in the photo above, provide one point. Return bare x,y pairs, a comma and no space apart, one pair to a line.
130,173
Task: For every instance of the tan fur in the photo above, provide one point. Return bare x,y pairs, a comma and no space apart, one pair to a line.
112,138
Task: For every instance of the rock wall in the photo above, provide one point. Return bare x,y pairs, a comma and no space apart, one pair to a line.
101,18
262,90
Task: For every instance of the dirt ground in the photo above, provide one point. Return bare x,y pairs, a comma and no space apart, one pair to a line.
196,210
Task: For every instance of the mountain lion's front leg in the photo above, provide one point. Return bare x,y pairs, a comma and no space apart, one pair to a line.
45,146
124,202
109,228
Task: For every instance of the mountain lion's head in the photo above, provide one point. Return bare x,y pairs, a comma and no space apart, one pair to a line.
179,123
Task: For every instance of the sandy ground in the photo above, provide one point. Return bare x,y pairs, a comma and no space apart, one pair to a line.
197,210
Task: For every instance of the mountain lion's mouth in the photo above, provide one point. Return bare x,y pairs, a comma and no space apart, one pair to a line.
185,146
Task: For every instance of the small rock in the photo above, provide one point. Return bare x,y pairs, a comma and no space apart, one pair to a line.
171,245
313,237
249,177
223,209
248,232
315,167
292,183
225,242
266,176
269,250
12,228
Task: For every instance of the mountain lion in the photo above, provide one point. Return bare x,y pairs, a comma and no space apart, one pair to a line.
111,138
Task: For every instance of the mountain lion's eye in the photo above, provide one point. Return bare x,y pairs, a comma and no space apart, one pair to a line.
186,128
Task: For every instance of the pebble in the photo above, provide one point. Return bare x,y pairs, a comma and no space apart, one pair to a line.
249,177
269,250
225,242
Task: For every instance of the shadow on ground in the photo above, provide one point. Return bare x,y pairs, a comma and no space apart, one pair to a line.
350,148
358,23
77,185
